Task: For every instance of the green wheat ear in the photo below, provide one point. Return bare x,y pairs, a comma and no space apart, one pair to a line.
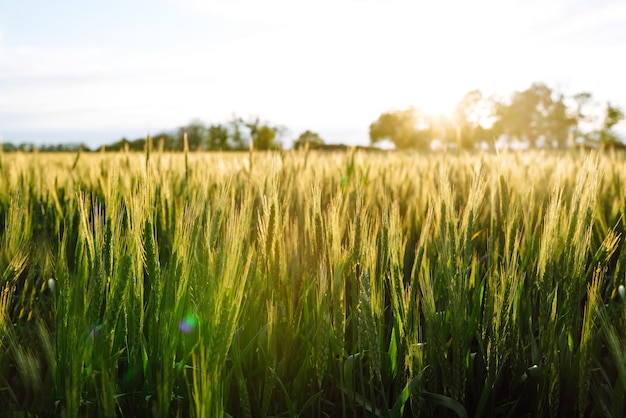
148,149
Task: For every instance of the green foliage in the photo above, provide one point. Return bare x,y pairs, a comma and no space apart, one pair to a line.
403,128
469,118
606,136
264,137
538,117
236,134
351,284
613,115
523,118
308,139
217,138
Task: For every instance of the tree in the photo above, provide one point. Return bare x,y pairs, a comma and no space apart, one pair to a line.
525,116
440,128
117,146
138,144
402,127
264,138
169,141
468,117
236,135
308,138
560,124
217,138
262,135
612,116
196,134
8,147
583,100
535,114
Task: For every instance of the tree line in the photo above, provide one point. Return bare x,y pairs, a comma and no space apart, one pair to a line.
235,135
538,117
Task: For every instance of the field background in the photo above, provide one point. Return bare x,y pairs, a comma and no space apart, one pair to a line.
312,284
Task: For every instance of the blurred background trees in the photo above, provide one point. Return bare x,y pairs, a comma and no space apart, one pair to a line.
262,135
538,117
308,139
470,117
236,134
607,136
405,128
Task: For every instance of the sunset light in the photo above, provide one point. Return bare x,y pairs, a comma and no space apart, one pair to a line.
96,72
312,208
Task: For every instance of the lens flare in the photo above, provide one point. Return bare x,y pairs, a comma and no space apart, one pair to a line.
52,285
94,330
188,323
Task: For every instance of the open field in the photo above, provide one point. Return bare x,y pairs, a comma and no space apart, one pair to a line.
313,284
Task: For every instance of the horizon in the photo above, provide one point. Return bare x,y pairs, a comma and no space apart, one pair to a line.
100,138
97,73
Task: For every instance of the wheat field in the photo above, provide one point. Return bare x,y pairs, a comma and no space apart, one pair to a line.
312,284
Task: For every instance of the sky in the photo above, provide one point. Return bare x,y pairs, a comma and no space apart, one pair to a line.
94,72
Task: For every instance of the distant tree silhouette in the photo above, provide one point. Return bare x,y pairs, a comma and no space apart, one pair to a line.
467,118
262,135
308,138
217,138
8,147
196,135
606,136
117,146
524,118
61,148
169,141
537,116
137,145
560,124
237,137
402,127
